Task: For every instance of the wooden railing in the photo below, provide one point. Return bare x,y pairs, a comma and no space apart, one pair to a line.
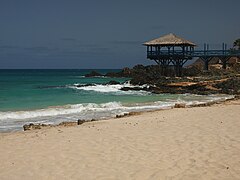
196,53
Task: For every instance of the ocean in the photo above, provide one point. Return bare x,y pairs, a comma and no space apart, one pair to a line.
54,96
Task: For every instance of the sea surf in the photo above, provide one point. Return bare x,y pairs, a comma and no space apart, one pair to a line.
54,96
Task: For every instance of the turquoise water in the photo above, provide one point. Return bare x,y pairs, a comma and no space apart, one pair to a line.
34,89
52,96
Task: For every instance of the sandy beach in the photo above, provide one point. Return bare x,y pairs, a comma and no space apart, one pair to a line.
184,143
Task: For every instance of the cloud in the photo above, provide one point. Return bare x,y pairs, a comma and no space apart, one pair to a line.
69,39
39,49
158,27
86,52
76,43
8,47
127,42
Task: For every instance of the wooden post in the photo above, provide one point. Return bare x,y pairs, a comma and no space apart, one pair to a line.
178,68
206,65
204,48
206,62
223,47
224,61
224,64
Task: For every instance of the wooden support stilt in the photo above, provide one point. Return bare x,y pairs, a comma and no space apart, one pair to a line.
178,67
156,61
224,66
206,65
224,61
206,61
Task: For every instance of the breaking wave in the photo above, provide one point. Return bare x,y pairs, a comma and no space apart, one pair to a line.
14,120
108,88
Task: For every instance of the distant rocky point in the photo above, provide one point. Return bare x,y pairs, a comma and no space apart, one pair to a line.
93,74
194,80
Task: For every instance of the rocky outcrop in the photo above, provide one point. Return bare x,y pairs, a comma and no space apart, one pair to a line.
85,85
113,82
80,121
65,123
32,126
199,82
229,86
180,105
93,74
127,114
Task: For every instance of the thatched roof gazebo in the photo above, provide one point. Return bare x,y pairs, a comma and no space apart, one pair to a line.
169,40
173,51
170,49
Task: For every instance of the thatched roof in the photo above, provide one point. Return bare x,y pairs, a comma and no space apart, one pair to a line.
169,39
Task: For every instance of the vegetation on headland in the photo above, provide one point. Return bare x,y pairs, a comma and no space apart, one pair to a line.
236,44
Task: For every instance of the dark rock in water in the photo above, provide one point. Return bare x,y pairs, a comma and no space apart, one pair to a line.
114,74
131,89
113,83
237,96
85,85
79,122
126,89
122,115
93,74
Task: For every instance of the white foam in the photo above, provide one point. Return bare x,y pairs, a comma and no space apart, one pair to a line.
110,106
77,108
102,88
111,88
54,111
10,120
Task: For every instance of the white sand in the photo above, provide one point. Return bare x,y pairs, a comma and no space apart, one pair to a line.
191,143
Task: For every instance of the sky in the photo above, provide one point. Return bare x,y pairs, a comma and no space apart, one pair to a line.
90,34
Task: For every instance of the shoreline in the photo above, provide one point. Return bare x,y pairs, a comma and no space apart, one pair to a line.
180,143
35,126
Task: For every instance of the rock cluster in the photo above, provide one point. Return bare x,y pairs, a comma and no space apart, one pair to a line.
32,126
93,74
179,105
127,114
198,82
